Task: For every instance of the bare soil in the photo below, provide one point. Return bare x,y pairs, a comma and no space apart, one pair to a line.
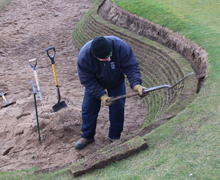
28,28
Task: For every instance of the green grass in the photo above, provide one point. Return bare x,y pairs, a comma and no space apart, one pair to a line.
153,11
188,146
29,175
4,3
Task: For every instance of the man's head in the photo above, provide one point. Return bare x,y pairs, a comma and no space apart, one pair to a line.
101,48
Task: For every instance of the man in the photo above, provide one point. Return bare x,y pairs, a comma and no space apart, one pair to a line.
102,65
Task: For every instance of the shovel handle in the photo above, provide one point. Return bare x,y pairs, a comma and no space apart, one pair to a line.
123,96
37,81
145,91
54,52
35,75
55,75
6,102
53,63
31,61
54,69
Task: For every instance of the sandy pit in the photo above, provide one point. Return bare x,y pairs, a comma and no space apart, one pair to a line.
27,29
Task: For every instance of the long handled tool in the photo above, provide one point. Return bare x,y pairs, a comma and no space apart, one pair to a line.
34,61
38,128
59,105
6,102
145,91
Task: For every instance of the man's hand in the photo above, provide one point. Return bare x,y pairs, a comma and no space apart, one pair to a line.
105,98
139,89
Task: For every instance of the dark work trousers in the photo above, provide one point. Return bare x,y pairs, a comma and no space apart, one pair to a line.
91,108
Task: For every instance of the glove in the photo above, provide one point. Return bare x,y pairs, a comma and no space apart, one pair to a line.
105,98
139,89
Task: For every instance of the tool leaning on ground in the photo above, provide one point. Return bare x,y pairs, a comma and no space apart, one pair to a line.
146,91
35,74
59,105
38,128
6,102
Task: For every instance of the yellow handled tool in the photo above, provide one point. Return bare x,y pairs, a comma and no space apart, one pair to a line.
59,104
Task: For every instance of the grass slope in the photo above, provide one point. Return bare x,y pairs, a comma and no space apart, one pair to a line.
4,3
188,146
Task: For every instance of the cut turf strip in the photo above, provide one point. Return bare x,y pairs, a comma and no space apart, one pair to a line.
114,152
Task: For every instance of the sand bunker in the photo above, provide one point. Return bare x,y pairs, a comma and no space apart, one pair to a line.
28,28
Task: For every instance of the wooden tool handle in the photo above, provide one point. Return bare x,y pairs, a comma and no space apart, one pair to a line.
33,60
6,102
123,96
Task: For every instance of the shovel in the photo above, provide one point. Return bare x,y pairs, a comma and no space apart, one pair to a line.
6,102
146,91
59,105
34,61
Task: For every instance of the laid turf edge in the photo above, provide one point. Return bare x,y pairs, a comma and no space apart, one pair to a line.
112,153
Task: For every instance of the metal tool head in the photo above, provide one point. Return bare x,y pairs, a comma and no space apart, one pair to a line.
181,80
3,94
156,88
6,102
59,106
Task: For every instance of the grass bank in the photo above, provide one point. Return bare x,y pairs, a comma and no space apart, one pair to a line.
4,3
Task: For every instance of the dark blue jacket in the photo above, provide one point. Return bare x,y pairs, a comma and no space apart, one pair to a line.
98,75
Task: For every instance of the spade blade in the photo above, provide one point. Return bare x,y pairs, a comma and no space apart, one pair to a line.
59,106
